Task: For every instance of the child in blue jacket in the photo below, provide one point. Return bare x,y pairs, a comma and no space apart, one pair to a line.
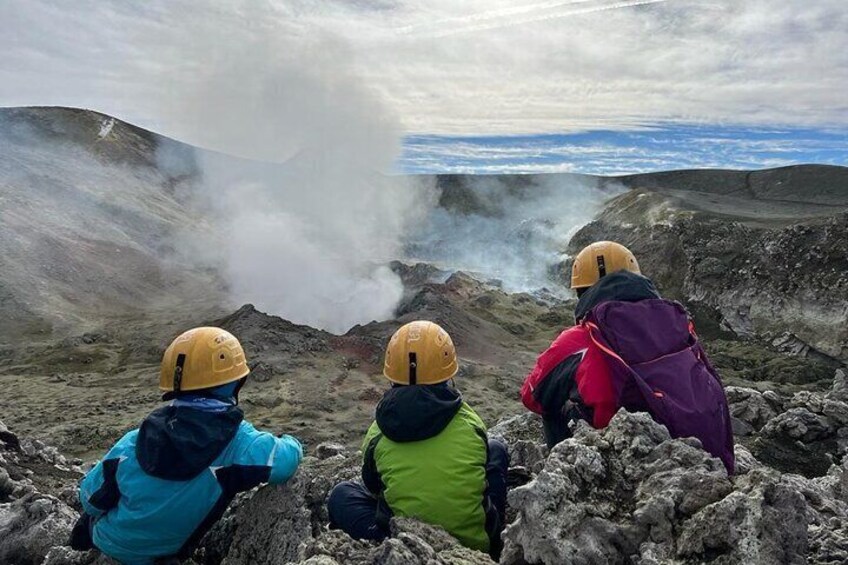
162,486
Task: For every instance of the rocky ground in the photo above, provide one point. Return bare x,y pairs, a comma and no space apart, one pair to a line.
625,494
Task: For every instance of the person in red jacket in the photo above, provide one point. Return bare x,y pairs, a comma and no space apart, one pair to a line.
571,379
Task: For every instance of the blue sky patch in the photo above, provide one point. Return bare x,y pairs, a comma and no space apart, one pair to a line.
607,152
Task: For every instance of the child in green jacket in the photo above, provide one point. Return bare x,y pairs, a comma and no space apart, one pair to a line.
427,455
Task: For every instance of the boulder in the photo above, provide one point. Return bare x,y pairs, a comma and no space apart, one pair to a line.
31,526
839,390
631,494
411,542
523,437
751,407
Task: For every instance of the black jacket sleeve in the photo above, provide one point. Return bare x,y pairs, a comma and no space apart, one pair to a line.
559,396
370,475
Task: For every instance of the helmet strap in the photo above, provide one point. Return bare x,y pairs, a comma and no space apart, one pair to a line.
238,388
178,372
602,267
413,368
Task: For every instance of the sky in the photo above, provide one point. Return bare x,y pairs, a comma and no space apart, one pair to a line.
598,86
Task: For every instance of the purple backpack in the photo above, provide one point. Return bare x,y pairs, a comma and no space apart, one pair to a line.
658,366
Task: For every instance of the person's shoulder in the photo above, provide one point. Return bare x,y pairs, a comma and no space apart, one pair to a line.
470,416
247,432
575,335
576,329
373,431
125,445
247,427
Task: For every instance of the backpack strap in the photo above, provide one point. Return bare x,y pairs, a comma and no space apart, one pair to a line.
591,327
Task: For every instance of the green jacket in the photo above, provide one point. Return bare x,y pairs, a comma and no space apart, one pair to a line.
425,456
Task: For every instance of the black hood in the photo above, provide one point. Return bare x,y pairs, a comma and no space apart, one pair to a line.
178,443
417,412
623,286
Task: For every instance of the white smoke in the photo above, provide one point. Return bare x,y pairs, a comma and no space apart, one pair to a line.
511,228
308,228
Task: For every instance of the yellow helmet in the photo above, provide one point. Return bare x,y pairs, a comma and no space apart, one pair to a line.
202,358
600,259
420,353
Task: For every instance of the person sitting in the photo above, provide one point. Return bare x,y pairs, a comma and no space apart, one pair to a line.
427,455
163,485
632,349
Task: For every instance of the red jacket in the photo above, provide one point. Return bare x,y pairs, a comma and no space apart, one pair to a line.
573,357
571,378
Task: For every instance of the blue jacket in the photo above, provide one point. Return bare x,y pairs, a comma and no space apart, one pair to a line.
162,486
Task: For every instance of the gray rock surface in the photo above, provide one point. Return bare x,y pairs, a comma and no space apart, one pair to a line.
31,522
839,391
751,406
631,494
625,494
288,524
806,436
411,542
31,526
522,436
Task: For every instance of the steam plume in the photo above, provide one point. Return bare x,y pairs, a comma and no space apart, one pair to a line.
308,236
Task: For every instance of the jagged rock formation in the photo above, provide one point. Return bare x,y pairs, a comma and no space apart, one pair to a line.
807,434
33,521
803,434
624,494
630,494
522,434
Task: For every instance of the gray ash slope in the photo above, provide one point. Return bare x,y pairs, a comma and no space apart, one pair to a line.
91,289
88,207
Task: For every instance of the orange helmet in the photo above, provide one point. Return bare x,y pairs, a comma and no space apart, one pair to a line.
420,353
600,259
202,358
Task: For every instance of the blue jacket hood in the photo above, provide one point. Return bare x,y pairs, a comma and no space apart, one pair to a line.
177,443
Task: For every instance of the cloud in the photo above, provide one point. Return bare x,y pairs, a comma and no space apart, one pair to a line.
445,67
519,15
615,152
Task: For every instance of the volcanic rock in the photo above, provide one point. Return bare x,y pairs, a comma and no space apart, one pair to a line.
629,493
